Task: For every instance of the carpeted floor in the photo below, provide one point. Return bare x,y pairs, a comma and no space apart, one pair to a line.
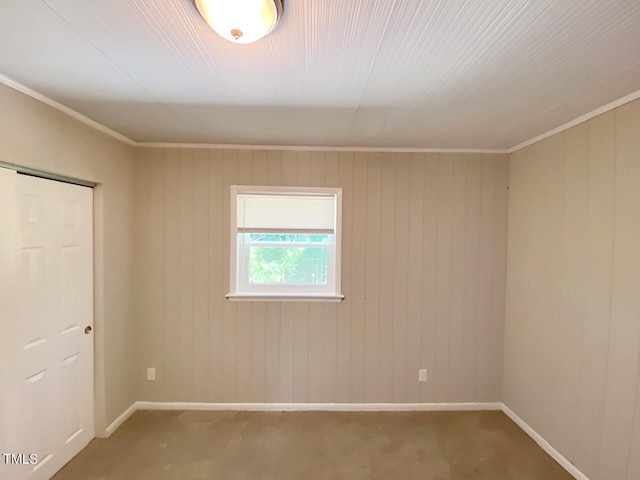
162,445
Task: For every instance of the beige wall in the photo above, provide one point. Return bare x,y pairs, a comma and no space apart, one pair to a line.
35,135
572,348
423,271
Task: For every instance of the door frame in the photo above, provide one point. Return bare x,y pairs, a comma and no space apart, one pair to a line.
99,390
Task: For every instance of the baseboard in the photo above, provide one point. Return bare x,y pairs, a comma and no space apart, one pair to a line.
301,407
122,418
325,407
546,446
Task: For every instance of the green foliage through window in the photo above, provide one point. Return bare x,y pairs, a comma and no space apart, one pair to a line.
288,238
292,259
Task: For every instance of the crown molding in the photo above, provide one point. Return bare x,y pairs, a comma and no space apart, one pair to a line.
316,148
576,121
9,82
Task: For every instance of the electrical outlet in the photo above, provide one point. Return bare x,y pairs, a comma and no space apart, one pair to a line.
422,375
151,374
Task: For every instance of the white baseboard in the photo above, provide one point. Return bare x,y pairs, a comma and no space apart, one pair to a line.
122,418
546,446
301,407
319,407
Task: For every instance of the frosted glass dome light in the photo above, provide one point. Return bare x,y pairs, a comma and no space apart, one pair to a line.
241,21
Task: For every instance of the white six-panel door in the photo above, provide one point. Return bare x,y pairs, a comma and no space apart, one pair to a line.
47,324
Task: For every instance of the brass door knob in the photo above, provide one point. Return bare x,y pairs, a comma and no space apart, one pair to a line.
87,330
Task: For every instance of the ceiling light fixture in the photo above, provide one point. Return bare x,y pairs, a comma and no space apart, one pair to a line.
241,21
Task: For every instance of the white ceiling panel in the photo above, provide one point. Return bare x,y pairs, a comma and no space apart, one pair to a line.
367,73
45,52
261,125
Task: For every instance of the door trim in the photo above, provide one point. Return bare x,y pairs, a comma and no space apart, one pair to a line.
99,382
47,175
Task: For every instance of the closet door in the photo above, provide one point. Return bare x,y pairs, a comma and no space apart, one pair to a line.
49,402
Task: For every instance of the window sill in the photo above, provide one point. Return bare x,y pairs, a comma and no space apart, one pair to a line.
268,297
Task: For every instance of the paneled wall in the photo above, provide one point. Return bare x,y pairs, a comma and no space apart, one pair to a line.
423,273
572,349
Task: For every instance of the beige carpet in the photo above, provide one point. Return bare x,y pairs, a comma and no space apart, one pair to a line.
314,445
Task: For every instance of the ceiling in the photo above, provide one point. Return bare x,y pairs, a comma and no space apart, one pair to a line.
484,74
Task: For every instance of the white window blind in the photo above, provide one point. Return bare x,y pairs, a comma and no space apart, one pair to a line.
286,213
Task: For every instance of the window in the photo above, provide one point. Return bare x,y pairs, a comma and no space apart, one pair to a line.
285,243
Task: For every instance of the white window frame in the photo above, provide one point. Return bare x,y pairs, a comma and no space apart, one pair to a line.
240,290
